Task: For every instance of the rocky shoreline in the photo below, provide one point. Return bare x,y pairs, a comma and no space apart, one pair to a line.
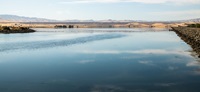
8,30
190,36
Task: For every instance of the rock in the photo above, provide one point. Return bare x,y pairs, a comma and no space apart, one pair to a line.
15,30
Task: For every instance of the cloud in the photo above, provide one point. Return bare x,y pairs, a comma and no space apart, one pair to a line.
178,14
15,11
136,1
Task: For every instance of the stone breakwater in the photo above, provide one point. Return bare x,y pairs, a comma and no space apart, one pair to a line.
190,36
7,30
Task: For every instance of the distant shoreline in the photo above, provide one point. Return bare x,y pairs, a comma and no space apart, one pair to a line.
94,24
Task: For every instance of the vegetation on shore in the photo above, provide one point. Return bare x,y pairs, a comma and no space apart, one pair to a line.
6,29
194,25
64,26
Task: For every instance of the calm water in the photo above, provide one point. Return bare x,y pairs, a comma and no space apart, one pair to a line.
97,60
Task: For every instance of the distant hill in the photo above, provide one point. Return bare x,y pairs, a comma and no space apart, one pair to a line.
2,20
193,20
14,18
76,20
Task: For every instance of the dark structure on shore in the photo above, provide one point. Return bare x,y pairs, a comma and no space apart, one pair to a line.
7,30
64,26
190,36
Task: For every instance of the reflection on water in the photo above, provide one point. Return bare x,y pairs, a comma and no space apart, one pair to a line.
53,43
97,62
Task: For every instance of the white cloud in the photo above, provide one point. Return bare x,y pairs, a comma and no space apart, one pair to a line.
189,14
15,11
138,1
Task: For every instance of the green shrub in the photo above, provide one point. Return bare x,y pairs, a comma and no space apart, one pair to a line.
6,28
1,28
198,25
194,25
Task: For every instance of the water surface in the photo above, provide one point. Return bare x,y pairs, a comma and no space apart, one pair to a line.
97,60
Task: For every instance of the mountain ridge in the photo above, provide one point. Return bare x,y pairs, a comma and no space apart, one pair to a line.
15,18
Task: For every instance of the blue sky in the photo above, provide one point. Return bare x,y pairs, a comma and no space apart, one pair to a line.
104,9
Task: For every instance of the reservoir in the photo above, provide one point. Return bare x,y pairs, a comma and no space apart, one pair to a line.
97,60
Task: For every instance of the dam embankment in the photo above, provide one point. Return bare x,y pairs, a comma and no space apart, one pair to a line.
190,36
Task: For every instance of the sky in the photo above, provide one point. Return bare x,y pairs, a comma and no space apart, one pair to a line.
151,10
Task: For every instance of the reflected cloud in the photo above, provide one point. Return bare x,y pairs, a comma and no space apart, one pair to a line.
167,40
165,84
56,43
172,68
86,61
147,51
107,88
195,72
194,63
150,63
58,81
132,57
145,62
